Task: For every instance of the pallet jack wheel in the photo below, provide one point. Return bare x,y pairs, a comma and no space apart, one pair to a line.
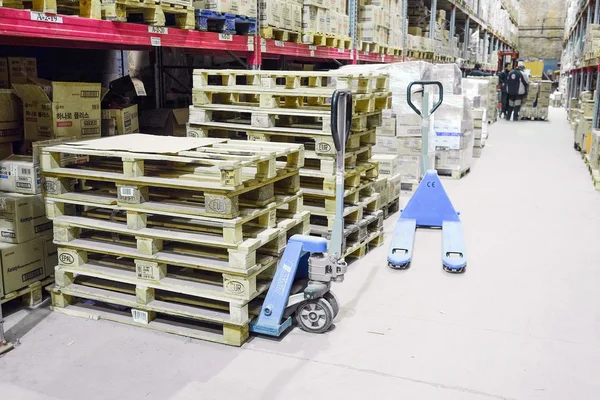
401,267
315,316
455,271
333,301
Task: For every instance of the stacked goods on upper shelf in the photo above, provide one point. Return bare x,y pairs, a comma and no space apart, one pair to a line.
591,47
584,120
418,40
176,13
374,26
294,107
453,124
175,234
230,16
326,23
281,20
396,37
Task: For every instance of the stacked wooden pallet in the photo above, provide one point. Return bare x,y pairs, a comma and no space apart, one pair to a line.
176,234
294,107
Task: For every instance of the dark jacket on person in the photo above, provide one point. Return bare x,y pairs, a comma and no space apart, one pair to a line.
517,83
478,72
503,78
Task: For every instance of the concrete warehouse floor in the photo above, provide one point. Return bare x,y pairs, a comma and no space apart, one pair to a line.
522,323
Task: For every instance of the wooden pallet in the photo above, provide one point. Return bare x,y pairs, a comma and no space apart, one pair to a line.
344,43
199,176
594,173
325,214
394,51
237,244
30,295
359,250
199,318
371,47
151,12
354,233
284,35
391,208
454,174
322,143
211,21
321,39
310,178
307,83
281,120
408,186
327,164
81,8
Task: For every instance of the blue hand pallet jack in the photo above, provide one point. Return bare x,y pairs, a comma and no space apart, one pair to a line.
429,206
301,286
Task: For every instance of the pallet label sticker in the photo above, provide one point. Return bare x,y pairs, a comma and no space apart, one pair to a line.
155,41
52,18
158,29
225,36
140,316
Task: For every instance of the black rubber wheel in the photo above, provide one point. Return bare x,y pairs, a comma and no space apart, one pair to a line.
314,316
400,267
333,301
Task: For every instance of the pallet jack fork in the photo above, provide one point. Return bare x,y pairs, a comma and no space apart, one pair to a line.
301,285
430,206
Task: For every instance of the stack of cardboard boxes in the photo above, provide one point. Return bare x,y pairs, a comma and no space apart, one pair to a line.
328,17
375,22
33,111
453,125
591,47
280,14
543,101
528,108
584,121
238,7
478,92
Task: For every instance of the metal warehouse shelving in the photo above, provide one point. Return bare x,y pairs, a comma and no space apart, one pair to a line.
23,27
583,74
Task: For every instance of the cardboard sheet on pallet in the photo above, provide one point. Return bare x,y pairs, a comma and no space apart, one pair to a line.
140,143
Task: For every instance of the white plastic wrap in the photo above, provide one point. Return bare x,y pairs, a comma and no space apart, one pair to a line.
401,75
454,133
450,76
475,88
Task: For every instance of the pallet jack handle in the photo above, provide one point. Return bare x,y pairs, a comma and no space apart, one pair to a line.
341,123
423,84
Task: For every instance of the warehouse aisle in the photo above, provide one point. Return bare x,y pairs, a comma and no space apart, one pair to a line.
522,323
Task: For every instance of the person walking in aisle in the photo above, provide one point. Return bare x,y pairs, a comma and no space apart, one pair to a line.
478,72
503,78
517,86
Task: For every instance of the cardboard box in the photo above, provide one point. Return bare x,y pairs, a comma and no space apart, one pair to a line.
222,6
314,19
270,14
388,164
60,109
409,168
296,17
4,81
394,187
22,264
23,218
126,120
20,69
165,121
11,119
51,255
19,174
398,145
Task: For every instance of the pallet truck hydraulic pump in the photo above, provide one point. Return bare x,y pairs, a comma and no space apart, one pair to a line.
301,286
430,206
